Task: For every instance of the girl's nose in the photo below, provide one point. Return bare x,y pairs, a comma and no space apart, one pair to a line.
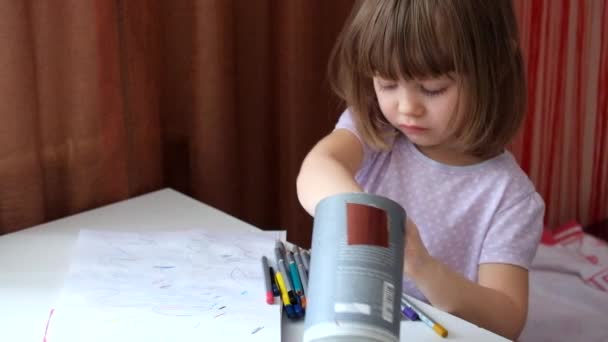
409,105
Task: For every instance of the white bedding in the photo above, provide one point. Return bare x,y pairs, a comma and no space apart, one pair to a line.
568,297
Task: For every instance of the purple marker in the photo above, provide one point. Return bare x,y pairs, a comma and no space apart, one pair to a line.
410,314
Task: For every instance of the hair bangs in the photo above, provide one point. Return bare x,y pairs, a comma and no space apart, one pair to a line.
415,48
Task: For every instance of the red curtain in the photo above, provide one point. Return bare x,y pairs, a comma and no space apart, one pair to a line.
103,100
69,141
564,142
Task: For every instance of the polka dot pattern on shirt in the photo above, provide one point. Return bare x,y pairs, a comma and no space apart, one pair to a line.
466,215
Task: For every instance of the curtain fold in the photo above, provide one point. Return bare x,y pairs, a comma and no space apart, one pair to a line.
564,142
80,128
22,201
253,103
104,100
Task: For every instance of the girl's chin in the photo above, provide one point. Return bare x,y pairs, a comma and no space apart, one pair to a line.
421,141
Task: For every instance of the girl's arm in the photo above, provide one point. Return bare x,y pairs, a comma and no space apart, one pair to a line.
330,168
498,302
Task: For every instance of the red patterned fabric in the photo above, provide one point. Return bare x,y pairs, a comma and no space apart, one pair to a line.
578,252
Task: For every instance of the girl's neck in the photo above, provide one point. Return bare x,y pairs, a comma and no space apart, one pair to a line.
453,157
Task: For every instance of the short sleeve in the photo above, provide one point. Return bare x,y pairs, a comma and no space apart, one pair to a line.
347,122
515,233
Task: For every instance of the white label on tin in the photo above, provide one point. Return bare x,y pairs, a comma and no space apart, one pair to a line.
359,308
388,295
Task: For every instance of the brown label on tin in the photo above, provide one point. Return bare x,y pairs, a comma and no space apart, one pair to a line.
366,225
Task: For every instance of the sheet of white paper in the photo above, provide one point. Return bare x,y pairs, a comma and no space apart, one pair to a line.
167,286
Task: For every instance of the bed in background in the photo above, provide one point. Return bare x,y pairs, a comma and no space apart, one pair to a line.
568,288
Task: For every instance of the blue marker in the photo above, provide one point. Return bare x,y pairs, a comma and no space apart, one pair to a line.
303,276
295,277
301,269
293,268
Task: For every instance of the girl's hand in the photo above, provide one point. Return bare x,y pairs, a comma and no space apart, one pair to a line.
416,256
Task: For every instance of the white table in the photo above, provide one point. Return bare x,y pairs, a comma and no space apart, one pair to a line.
35,261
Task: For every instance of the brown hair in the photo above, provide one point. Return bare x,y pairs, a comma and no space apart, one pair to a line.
417,39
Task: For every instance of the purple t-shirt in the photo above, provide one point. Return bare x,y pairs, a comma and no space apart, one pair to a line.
467,215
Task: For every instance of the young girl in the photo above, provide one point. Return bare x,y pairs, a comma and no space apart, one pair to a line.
435,89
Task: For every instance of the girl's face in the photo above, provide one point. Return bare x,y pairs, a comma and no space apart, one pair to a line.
422,110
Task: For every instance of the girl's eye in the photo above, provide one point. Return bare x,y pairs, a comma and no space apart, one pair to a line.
387,86
432,92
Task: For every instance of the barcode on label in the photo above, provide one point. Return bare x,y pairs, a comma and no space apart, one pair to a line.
388,294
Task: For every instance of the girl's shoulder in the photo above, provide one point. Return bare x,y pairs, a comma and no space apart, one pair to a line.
507,178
